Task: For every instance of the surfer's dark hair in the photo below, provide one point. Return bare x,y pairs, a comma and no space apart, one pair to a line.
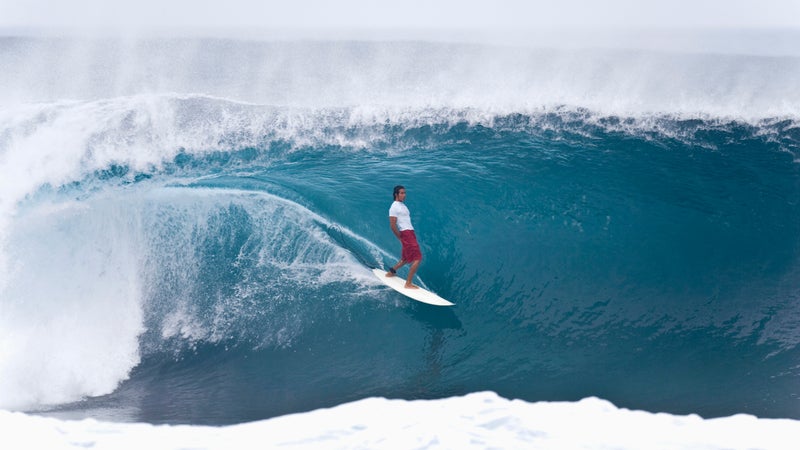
397,190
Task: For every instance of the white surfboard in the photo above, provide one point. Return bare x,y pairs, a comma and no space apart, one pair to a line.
421,295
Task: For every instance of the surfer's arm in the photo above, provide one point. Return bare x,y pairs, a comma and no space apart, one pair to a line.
393,224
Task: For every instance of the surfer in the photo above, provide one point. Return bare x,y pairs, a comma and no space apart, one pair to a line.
400,221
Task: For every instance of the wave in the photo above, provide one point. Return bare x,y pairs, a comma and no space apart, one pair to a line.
139,232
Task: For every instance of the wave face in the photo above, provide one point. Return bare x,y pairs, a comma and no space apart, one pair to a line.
188,258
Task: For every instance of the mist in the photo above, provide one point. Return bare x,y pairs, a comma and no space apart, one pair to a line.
722,58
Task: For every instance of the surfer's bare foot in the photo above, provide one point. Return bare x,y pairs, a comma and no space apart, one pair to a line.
411,286
389,274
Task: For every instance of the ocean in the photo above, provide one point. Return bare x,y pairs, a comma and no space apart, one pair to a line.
187,228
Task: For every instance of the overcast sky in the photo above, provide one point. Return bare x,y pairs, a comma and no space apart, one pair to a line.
402,14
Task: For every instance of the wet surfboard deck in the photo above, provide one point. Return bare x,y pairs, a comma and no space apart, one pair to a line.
421,295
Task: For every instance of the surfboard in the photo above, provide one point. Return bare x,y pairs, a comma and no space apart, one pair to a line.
421,295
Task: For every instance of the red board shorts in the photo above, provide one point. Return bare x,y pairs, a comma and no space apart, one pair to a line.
411,250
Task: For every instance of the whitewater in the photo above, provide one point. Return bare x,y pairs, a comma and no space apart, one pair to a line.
187,227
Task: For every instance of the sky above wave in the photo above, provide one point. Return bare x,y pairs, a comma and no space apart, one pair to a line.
765,27
409,14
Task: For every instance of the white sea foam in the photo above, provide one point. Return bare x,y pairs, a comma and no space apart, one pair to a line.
71,315
479,420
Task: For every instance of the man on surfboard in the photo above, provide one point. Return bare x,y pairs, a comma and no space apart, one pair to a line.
400,222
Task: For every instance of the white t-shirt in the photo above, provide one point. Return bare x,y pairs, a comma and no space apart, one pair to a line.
399,210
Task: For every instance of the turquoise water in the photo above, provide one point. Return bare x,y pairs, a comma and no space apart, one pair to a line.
215,257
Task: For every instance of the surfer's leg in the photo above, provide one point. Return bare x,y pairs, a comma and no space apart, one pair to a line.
393,271
411,272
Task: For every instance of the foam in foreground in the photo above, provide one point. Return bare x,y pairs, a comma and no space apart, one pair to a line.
479,420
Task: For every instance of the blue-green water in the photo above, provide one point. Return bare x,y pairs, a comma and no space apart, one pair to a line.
194,259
